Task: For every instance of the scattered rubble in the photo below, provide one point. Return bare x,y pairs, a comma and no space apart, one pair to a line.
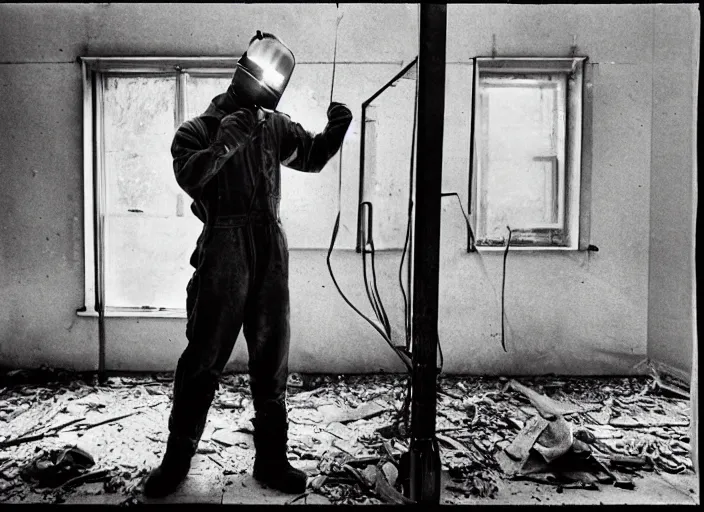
65,433
57,467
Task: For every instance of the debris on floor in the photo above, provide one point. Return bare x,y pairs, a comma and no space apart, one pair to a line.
57,467
65,433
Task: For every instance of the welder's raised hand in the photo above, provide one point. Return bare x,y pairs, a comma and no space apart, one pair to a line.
338,110
236,128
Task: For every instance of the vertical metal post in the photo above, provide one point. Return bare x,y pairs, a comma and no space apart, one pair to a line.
424,453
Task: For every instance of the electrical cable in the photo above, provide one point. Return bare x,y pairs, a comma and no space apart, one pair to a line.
380,329
471,236
374,300
384,317
334,55
407,243
471,239
406,413
368,247
466,217
403,291
503,290
376,307
373,292
471,247
408,246
480,260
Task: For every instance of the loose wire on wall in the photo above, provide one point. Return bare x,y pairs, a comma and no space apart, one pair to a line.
503,276
503,291
408,241
382,327
372,289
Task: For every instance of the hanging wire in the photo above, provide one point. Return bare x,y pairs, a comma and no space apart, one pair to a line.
384,317
466,217
381,329
407,243
334,55
480,260
374,299
503,290
409,314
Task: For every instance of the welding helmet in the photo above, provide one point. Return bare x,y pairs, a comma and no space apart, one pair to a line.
263,71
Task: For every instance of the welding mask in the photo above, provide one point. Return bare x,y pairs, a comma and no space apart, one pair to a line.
263,72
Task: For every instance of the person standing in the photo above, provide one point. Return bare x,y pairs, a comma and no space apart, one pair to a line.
228,160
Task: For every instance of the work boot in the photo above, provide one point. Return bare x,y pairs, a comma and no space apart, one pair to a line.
271,467
166,478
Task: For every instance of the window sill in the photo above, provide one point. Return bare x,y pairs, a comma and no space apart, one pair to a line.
502,249
134,313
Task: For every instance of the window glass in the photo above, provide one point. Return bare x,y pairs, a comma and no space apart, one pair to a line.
138,121
150,231
200,91
522,137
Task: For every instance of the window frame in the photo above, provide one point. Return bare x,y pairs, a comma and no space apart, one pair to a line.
94,72
577,160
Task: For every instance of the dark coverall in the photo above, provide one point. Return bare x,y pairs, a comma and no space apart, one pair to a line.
228,161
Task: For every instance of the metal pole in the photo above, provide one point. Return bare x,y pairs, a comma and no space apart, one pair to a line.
424,453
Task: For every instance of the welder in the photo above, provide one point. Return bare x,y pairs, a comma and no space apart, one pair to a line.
228,160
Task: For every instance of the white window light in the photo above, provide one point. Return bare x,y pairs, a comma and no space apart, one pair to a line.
133,206
527,155
139,230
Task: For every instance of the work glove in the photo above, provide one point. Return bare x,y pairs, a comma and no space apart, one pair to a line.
338,110
230,102
236,128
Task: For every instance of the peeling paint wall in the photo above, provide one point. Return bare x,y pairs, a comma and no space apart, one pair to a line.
579,313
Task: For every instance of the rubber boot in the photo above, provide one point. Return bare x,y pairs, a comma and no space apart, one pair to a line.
174,467
271,466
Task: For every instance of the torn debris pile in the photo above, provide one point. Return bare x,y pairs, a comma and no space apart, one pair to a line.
60,434
550,449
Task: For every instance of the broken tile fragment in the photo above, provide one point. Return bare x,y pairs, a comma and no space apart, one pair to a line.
228,437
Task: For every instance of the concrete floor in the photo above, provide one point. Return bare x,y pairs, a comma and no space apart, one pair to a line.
652,489
135,445
206,486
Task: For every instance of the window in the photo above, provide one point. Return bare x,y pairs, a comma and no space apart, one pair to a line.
140,231
527,147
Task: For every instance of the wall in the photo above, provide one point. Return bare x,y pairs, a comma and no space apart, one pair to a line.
566,312
580,313
672,197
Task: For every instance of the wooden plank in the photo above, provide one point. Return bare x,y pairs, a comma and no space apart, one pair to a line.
546,406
